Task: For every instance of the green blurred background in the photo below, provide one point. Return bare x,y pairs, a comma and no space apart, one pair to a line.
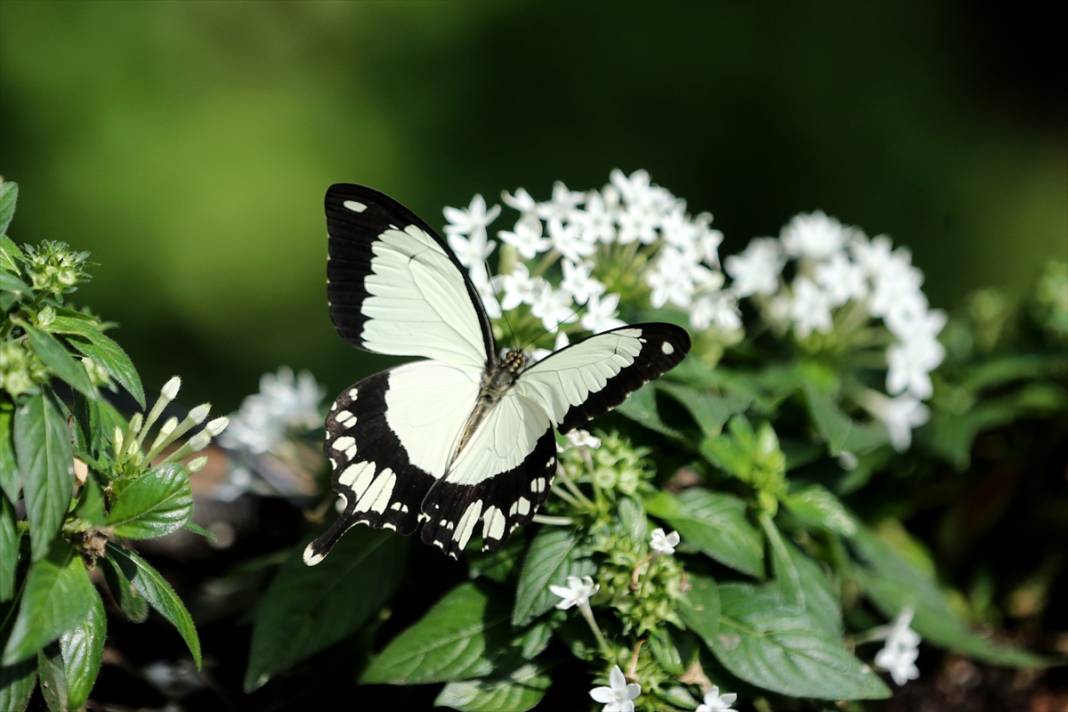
188,145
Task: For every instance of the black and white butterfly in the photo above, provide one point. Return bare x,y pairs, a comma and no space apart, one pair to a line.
461,441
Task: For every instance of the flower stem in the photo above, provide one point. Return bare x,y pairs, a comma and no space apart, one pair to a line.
587,613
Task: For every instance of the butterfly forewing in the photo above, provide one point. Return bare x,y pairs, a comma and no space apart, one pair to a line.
394,285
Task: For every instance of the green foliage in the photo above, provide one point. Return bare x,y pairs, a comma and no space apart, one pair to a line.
305,610
55,623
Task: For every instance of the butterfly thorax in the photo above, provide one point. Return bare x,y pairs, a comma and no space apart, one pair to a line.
496,380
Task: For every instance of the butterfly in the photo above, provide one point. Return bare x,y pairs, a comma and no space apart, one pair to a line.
462,440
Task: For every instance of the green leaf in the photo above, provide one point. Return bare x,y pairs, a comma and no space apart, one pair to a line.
632,519
102,349
839,431
308,608
821,598
9,550
56,598
103,419
55,356
894,584
10,254
787,577
156,503
699,610
82,649
715,524
16,685
46,461
195,528
500,564
9,195
159,594
130,601
518,692
710,412
554,555
640,406
772,645
91,503
464,635
53,681
11,283
816,507
10,481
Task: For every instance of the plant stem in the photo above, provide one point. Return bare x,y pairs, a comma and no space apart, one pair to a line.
552,521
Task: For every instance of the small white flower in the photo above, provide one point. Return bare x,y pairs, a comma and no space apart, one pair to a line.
619,696
562,205
899,416
663,543
841,279
810,308
601,311
521,202
285,401
909,366
895,280
518,287
597,220
669,280
718,310
471,251
635,188
579,283
872,255
570,241
526,238
582,438
488,295
717,702
756,269
637,222
553,306
898,655
814,235
577,592
473,221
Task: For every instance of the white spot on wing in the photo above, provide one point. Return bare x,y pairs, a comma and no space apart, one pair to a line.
466,525
310,557
493,522
355,206
343,443
667,348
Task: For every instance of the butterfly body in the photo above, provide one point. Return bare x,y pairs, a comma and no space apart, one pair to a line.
460,442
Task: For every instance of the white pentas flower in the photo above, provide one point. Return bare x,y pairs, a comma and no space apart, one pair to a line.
900,416
570,241
810,308
663,543
898,655
716,701
526,237
553,306
286,403
757,268
518,287
579,282
602,313
473,221
814,235
618,696
582,438
841,279
577,592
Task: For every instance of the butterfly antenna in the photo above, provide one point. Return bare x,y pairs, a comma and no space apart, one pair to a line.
504,314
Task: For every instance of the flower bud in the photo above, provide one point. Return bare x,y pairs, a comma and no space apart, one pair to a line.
198,414
171,388
217,426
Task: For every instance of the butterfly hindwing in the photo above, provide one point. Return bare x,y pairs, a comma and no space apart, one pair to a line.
384,439
394,285
493,507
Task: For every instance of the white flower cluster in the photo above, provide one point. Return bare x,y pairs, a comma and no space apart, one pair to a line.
840,280
285,402
902,648
628,226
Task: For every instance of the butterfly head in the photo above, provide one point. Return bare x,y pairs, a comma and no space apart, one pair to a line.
514,361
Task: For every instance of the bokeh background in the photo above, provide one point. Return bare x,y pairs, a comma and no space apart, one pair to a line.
188,145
